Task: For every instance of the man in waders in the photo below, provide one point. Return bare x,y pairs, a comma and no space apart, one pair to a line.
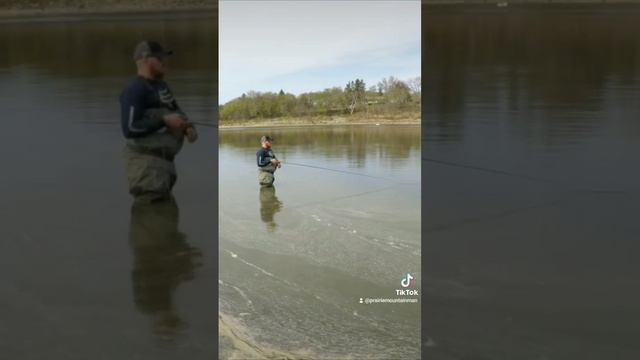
154,126
267,162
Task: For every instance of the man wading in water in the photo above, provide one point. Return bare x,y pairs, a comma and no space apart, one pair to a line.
154,126
267,162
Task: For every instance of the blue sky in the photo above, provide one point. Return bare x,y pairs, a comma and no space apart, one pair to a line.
301,46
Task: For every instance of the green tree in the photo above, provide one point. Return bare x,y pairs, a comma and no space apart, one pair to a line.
355,90
398,93
388,95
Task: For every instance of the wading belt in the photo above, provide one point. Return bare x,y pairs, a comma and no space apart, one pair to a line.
161,153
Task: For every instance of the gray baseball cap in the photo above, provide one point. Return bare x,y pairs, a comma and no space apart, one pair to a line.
149,48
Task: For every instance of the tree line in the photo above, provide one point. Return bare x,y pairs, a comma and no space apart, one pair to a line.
390,95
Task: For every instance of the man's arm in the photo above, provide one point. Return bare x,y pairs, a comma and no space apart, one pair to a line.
274,159
179,110
263,158
190,129
134,123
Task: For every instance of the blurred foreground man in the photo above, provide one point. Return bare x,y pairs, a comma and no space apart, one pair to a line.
154,126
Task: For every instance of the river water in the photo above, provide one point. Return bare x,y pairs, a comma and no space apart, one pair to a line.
530,200
531,195
85,276
342,222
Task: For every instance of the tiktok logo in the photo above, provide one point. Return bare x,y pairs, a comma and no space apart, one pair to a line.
406,281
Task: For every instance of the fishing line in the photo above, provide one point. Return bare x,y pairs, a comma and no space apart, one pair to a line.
95,122
344,172
577,191
499,214
523,176
339,198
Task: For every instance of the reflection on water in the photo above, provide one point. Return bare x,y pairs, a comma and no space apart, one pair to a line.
517,267
269,206
548,74
350,229
359,146
191,36
65,56
163,259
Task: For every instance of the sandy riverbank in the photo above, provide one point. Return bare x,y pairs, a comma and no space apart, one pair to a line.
236,345
401,119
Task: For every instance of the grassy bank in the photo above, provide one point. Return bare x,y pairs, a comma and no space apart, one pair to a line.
36,8
405,118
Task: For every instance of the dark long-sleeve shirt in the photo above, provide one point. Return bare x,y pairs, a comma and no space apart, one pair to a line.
264,157
139,96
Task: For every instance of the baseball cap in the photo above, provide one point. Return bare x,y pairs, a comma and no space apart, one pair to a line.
266,138
149,48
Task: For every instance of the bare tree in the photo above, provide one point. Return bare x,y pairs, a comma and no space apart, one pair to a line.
415,84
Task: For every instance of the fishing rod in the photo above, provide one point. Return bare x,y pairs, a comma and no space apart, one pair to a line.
208,124
98,122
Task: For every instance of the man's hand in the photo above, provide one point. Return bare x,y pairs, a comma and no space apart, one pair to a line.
275,162
175,121
191,134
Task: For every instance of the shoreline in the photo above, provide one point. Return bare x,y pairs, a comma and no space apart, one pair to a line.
243,346
293,126
322,122
66,14
82,12
587,7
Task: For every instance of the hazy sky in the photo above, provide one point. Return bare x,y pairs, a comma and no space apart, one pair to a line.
301,46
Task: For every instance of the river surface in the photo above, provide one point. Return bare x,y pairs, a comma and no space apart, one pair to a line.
342,222
531,193
84,275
